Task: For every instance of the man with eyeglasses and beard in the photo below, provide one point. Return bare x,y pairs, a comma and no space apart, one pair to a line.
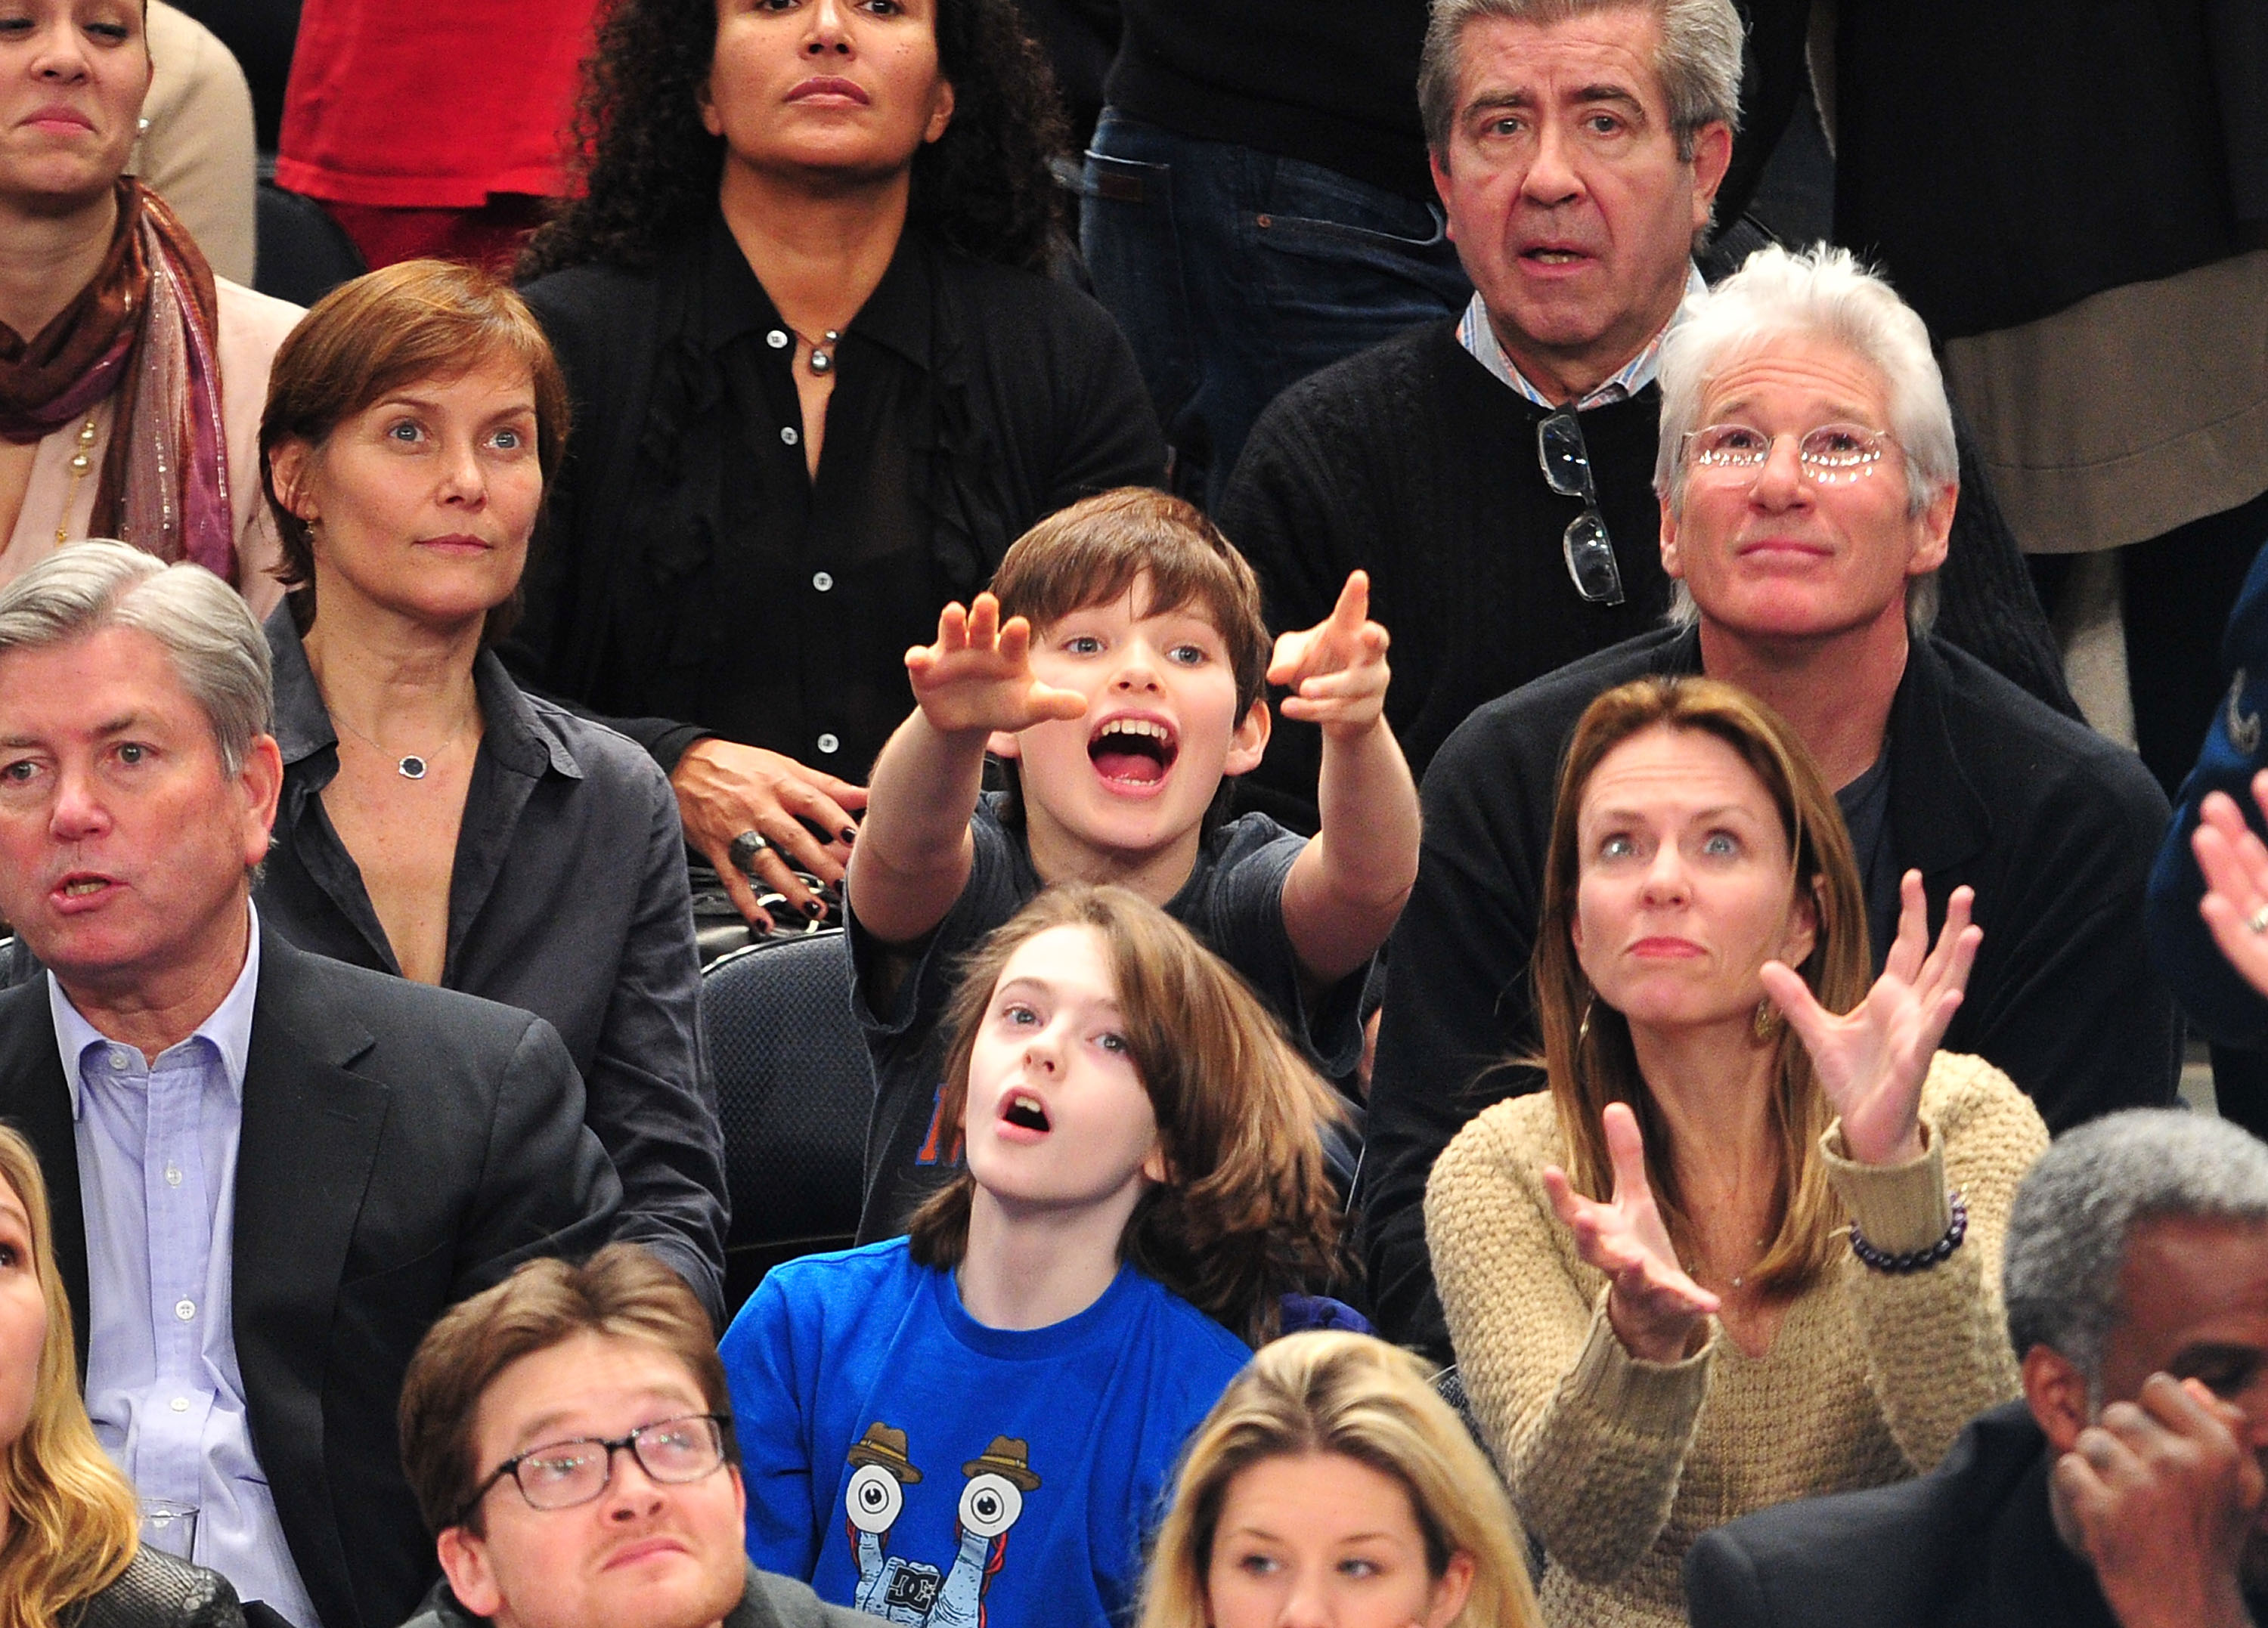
1493,473
1807,480
568,1435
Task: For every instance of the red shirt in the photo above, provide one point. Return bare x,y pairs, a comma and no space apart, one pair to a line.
432,105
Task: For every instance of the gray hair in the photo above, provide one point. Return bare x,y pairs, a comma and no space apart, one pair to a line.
2077,1212
203,626
1817,293
1698,63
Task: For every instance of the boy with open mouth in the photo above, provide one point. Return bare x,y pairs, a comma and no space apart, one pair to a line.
1117,671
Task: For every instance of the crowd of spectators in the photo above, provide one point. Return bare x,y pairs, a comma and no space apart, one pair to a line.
1520,869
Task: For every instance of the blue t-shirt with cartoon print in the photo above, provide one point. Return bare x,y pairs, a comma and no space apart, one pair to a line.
915,1464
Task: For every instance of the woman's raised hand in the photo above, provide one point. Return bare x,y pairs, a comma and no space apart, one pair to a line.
979,674
1656,1310
1873,1059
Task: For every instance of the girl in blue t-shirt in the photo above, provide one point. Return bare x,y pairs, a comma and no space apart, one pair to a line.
973,1424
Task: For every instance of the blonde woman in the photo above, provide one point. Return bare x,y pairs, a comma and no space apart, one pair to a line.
1744,1250
68,1526
1329,1484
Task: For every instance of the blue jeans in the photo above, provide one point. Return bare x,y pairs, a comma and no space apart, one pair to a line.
1235,274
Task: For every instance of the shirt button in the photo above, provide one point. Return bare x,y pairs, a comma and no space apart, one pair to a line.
821,581
172,1175
776,339
180,1404
788,434
185,1310
120,1056
829,743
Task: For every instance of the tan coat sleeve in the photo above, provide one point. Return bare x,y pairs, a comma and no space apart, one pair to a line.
1591,1440
1937,1340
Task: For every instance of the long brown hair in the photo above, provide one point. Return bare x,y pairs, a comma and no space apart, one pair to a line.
1247,1212
72,1522
1362,1399
1586,1043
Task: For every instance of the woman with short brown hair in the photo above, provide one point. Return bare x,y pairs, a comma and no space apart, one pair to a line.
436,821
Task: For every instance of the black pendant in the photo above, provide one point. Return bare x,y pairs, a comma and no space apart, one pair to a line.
412,767
821,362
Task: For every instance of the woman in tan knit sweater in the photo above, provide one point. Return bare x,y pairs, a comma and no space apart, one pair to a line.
1720,1264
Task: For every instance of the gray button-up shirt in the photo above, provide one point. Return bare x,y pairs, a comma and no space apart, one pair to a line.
569,900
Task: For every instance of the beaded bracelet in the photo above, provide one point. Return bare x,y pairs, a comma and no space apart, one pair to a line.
1917,1260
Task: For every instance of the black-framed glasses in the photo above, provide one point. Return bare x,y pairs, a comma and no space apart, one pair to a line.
560,1474
1589,551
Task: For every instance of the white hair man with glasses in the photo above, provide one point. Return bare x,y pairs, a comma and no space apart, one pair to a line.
1807,481
568,1435
1492,473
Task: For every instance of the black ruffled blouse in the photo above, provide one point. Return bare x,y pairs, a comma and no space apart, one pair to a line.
691,579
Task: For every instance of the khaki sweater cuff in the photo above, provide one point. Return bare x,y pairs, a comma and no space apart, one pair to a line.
1637,1398
1900,1207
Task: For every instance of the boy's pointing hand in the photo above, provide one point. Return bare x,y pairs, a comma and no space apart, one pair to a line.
979,674
1336,670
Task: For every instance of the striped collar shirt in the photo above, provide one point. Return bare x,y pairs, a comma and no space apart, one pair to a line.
1478,335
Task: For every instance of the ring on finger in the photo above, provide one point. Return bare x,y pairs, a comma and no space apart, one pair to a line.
2258,920
747,846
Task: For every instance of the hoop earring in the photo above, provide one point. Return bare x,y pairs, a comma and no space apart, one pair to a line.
1766,1023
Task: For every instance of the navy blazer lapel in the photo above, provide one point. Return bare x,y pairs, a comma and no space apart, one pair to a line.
35,1099
311,1131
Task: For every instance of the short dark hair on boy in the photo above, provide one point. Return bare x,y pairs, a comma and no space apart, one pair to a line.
1094,551
623,1293
1248,1212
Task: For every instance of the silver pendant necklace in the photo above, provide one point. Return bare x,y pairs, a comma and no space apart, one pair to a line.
409,766
822,350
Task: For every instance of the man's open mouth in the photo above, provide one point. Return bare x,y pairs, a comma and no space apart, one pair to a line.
1136,750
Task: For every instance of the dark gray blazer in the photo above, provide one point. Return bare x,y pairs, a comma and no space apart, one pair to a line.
158,1591
402,1146
1972,1544
567,898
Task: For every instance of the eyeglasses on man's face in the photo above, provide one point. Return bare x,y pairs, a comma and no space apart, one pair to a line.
1589,552
560,1474
1831,455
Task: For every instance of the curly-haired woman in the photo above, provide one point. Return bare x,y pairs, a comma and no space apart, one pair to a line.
822,380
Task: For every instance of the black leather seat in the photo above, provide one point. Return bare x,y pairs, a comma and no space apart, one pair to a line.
795,1089
303,253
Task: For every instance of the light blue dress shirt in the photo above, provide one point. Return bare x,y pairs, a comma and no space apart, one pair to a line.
157,1170
1478,335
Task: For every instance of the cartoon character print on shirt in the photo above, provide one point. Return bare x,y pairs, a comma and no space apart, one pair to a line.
914,1593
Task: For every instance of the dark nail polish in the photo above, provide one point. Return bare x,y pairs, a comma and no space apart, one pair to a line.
849,833
813,908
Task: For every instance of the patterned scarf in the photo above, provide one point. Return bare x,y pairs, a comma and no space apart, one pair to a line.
146,326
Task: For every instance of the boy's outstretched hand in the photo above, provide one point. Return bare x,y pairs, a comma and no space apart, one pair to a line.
979,674
1336,670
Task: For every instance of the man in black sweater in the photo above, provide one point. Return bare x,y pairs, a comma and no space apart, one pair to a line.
1806,518
2125,1488
1574,198
1256,206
